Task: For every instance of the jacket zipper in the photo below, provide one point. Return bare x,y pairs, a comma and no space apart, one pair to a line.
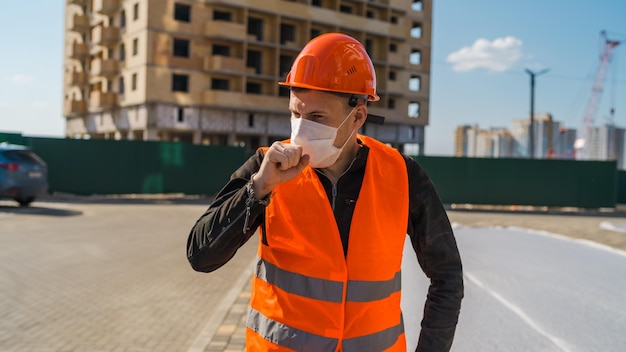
345,288
334,195
334,189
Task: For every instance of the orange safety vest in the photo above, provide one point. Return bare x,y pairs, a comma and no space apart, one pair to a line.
306,296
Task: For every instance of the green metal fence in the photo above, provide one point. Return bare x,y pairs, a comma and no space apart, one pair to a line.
621,187
88,167
121,167
587,184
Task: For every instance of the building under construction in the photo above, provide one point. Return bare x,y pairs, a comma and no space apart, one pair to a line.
206,72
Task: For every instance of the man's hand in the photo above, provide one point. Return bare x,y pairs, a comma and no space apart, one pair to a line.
282,162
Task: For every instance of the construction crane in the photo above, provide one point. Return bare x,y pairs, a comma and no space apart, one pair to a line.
582,142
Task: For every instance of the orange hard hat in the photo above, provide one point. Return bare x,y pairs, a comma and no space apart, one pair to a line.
334,62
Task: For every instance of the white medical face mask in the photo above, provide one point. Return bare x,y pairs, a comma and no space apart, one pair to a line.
317,140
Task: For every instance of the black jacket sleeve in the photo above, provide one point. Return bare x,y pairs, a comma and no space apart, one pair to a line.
219,233
437,253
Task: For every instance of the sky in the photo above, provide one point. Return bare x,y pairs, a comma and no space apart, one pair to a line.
480,51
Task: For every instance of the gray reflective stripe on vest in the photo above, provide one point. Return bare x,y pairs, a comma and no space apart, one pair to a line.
301,285
326,290
289,337
367,291
378,341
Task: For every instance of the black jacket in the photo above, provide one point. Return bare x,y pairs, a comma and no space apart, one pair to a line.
219,233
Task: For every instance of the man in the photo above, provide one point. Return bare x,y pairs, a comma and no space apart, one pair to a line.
333,208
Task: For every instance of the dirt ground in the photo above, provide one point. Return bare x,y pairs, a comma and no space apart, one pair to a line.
589,225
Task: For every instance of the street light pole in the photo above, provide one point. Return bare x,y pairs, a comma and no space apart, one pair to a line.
531,147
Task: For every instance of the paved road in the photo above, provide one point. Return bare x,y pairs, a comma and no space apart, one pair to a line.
533,292
105,277
112,276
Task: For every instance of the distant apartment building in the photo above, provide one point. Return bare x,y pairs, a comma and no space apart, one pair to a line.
206,72
471,141
551,140
564,146
461,140
503,144
607,142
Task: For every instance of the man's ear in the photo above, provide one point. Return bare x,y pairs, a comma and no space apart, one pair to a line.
360,115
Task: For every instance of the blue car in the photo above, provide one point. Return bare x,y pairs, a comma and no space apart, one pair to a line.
23,175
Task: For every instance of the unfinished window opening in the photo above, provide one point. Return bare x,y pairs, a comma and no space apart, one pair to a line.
416,57
135,12
392,75
122,52
255,27
287,33
255,60
391,104
417,5
285,62
220,84
121,87
180,115
222,16
345,8
414,110
253,88
180,83
315,32
393,47
369,46
182,12
414,83
135,46
283,91
416,30
133,82
393,19
221,50
250,120
181,47
122,19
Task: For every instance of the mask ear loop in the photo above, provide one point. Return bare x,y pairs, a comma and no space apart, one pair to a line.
344,121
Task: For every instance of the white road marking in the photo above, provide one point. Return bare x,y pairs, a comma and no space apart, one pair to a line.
519,312
612,227
570,239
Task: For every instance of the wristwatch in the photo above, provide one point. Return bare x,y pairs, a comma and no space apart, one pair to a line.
251,196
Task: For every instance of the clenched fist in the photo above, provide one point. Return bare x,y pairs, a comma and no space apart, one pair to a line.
281,163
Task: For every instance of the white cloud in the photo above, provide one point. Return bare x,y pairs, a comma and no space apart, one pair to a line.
21,79
3,105
499,55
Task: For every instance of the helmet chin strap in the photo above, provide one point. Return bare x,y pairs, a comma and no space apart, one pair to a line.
375,119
